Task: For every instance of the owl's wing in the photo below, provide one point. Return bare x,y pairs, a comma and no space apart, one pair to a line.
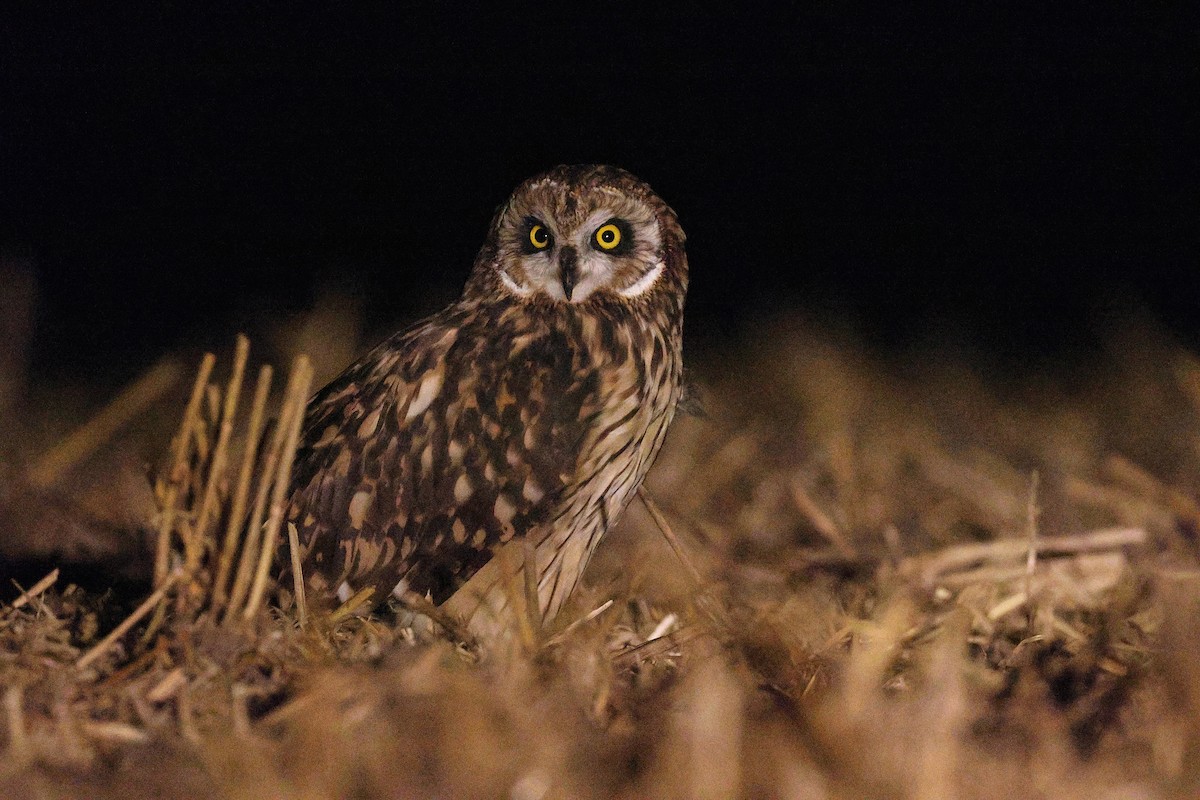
357,428
438,446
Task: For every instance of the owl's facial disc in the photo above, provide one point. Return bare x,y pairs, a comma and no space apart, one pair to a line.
614,249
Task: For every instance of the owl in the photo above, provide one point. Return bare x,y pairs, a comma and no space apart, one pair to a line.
526,413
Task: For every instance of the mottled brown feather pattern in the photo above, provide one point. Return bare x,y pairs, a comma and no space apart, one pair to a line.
508,414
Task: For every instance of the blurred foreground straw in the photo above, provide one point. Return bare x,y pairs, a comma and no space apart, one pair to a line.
194,557
132,401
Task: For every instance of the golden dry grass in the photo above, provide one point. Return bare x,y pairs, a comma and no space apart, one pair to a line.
910,581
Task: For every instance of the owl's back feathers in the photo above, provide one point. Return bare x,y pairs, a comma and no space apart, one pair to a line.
436,446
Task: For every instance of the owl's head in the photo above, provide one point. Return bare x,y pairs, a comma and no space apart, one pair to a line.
579,235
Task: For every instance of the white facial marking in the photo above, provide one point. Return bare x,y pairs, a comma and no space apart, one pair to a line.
595,270
513,286
643,284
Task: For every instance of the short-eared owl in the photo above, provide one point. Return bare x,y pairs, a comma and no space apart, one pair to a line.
532,407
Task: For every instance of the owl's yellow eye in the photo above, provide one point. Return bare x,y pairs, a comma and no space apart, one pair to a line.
539,237
608,236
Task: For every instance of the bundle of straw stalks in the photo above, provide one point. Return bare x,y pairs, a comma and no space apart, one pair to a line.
867,580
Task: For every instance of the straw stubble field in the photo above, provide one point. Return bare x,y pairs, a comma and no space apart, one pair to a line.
849,577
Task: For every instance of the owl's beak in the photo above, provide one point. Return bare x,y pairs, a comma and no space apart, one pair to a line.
568,269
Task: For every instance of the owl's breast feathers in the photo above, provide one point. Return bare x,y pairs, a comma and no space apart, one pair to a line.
481,424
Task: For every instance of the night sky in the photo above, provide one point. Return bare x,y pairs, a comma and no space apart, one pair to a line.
1016,178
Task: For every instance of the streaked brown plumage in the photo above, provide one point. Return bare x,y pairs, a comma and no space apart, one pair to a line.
532,407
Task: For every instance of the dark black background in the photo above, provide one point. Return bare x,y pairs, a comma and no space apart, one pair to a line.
1017,178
